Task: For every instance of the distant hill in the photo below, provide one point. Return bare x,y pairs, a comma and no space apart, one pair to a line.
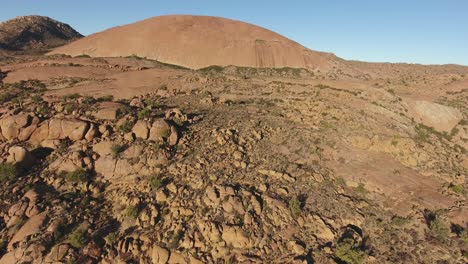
198,42
35,33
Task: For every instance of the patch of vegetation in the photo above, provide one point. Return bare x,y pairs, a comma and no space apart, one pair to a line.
132,211
151,103
117,149
399,221
125,127
213,68
106,98
436,225
111,238
173,66
174,239
78,238
361,188
83,56
155,182
8,172
457,188
349,253
423,134
295,206
71,96
341,181
144,113
79,175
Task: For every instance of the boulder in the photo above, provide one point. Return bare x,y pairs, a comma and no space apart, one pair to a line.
57,253
159,130
103,148
141,129
54,129
31,227
108,111
174,137
12,127
235,236
20,156
159,255
74,129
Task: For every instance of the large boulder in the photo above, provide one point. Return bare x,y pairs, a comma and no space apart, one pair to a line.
160,130
108,111
442,118
18,126
53,129
141,129
20,156
31,227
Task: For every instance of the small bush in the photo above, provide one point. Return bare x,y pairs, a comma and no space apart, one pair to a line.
117,149
71,96
436,225
295,206
7,172
78,238
457,188
341,181
347,252
111,238
361,188
155,182
79,175
106,98
132,211
36,99
125,127
144,113
151,103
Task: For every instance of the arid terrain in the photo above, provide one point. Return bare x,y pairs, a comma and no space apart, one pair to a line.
118,158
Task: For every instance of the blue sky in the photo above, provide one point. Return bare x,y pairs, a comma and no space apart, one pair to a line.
414,31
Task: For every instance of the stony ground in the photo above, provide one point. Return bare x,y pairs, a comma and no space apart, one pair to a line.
231,165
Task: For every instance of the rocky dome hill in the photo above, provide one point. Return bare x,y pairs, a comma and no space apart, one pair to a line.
198,42
32,33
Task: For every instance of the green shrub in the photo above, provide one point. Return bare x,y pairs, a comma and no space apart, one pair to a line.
71,96
347,252
7,172
78,238
457,188
361,188
155,182
117,149
151,103
79,175
436,225
132,211
111,238
295,206
106,98
125,127
341,181
144,113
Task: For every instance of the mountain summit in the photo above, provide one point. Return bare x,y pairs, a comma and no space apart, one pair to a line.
199,41
34,33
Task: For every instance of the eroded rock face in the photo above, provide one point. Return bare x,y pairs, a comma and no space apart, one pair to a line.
31,227
19,126
442,118
54,129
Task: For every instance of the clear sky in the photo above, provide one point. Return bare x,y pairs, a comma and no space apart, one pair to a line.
414,31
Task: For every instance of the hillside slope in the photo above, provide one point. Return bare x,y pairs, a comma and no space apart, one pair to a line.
31,33
200,41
